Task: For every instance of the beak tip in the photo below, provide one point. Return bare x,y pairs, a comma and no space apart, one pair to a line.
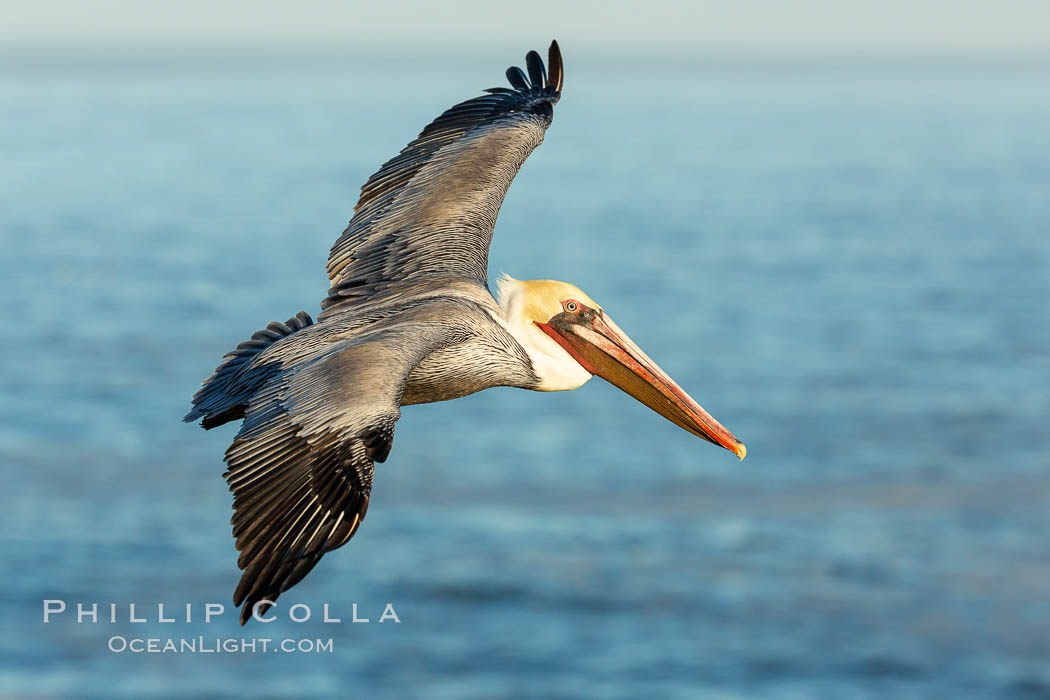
741,451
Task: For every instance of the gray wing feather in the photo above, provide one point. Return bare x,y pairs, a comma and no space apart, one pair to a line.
429,212
301,466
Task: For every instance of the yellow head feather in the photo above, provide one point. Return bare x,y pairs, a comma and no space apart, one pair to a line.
538,300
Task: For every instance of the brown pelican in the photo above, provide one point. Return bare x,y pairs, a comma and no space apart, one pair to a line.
409,319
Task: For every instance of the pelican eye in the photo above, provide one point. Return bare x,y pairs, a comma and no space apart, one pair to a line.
571,306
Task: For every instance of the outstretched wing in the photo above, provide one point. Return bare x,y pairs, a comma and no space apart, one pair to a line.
301,466
429,212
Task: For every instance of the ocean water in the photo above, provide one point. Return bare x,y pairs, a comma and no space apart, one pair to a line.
847,265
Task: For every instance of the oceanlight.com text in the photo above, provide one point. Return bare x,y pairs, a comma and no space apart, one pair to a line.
218,645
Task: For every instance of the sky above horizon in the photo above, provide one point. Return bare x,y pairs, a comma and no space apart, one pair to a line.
805,26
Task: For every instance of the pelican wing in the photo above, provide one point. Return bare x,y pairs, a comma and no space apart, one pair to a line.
301,466
428,213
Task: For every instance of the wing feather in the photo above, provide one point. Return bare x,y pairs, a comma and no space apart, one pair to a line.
537,74
301,466
429,212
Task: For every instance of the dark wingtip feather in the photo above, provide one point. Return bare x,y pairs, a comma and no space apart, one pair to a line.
539,82
224,394
537,74
554,65
516,76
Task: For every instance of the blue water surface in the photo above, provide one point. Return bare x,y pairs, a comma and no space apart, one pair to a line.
849,266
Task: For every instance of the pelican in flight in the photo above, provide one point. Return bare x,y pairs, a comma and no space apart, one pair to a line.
409,319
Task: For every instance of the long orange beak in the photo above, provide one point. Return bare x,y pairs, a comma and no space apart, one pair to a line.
603,349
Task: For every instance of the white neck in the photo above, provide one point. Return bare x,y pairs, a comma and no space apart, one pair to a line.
557,369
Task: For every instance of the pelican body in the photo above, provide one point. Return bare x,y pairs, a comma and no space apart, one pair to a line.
408,319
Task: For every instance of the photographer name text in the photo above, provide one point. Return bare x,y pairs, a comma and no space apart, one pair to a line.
95,613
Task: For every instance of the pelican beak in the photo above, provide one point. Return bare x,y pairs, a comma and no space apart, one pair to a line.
603,349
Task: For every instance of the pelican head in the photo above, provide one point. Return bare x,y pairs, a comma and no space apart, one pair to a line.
569,338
